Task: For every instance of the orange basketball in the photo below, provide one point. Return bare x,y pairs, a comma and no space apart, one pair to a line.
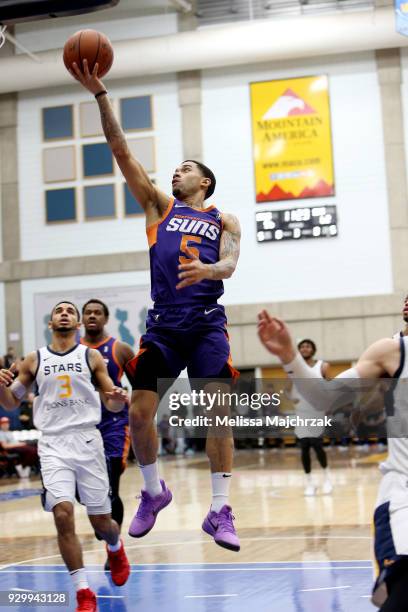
92,46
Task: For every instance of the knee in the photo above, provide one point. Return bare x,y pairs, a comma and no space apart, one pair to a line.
64,519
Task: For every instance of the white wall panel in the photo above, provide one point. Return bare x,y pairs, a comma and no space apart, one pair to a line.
358,261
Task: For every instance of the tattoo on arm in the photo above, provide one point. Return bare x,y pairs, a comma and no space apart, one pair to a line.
229,251
111,127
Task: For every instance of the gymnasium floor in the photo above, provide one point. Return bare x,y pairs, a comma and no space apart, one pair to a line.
298,554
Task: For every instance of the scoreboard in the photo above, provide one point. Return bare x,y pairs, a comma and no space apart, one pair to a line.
296,223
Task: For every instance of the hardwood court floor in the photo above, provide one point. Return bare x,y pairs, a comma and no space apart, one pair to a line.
275,522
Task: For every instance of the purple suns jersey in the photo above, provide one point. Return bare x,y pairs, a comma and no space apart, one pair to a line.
113,424
181,227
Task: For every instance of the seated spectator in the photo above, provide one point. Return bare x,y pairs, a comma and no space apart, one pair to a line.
27,454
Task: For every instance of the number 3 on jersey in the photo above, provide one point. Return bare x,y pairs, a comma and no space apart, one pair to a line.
66,384
184,244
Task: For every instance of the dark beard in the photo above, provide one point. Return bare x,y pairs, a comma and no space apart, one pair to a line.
64,330
405,317
177,193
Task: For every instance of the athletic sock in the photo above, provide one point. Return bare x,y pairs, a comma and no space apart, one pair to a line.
151,479
115,547
79,579
220,490
326,474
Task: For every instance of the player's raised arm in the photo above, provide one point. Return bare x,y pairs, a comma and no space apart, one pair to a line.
150,198
114,397
381,358
13,390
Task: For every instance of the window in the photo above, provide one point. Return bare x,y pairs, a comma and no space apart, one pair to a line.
132,206
60,205
57,122
143,150
59,164
97,159
136,113
99,201
90,119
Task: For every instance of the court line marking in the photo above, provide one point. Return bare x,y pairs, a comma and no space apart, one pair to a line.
208,541
324,589
303,564
208,596
204,569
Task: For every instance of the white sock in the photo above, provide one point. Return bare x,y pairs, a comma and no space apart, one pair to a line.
309,481
220,489
79,579
115,547
326,474
151,479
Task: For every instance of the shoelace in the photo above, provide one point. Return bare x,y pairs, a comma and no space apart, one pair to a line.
144,509
225,520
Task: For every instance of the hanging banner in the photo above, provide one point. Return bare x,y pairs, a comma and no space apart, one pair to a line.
291,134
401,16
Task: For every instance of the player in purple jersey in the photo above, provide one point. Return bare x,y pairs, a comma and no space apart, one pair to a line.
192,249
114,426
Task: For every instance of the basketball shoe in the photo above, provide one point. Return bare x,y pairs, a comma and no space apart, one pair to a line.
220,526
149,508
119,565
86,601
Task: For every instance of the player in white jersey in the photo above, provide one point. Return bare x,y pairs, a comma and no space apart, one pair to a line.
66,410
386,357
311,437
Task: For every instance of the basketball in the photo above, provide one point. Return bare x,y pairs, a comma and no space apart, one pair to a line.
90,45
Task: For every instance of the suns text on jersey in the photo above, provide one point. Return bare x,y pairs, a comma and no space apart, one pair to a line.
191,225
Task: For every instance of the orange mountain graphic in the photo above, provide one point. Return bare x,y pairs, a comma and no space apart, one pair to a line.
276,193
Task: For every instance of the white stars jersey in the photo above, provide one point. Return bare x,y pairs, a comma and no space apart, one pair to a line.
307,411
66,398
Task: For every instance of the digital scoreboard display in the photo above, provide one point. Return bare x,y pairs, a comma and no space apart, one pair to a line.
296,223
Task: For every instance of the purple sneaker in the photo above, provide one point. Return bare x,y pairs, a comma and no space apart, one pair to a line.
146,514
220,526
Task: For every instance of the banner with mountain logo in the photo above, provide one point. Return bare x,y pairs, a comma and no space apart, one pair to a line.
291,136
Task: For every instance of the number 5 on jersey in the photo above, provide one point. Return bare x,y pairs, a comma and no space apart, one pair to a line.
184,244
66,384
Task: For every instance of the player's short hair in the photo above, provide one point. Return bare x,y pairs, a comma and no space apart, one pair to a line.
66,302
97,301
207,173
314,347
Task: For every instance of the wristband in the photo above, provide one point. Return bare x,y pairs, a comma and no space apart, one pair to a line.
100,93
18,389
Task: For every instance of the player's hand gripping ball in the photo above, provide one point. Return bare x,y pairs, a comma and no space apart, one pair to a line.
91,45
